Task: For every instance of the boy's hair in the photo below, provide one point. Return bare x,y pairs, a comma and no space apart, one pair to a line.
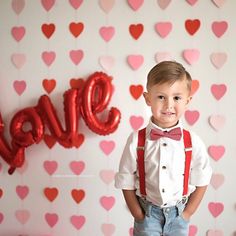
168,72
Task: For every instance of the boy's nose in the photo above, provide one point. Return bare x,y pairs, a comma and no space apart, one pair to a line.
169,103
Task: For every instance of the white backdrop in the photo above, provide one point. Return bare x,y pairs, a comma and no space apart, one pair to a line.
50,45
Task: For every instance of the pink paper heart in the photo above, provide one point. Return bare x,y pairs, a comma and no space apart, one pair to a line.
18,59
107,146
107,32
47,4
191,56
22,191
19,86
22,216
18,32
76,3
218,90
219,28
77,167
163,4
216,152
50,166
108,229
51,219
106,5
107,62
107,176
217,180
217,122
192,2
163,56
76,56
163,28
18,6
192,231
216,208
77,221
135,4
218,59
191,116
219,3
1,217
213,232
131,231
135,61
136,122
107,202
48,57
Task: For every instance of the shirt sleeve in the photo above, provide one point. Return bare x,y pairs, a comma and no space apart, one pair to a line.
126,176
201,170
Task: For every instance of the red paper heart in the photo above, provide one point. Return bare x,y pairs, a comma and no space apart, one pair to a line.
1,192
76,83
78,195
51,193
136,91
195,86
76,28
136,30
49,85
192,26
48,29
49,140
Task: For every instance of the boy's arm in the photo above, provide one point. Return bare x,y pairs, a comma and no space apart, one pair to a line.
133,204
194,201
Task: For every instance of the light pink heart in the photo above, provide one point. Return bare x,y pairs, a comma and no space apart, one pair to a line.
48,57
76,56
163,56
131,231
19,86
22,191
163,28
216,208
108,229
47,4
107,32
135,4
219,28
191,56
1,217
22,216
107,202
216,151
77,167
51,219
219,3
218,59
107,176
77,221
135,61
18,6
217,180
192,2
214,232
192,231
76,3
107,62
50,166
218,90
107,146
136,122
191,116
106,5
163,4
18,32
18,59
217,122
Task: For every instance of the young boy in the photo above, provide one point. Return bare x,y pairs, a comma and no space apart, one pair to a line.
157,190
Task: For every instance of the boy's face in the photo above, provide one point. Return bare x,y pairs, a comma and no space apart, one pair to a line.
168,102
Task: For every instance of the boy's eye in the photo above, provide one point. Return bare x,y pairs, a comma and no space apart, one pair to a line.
161,97
177,98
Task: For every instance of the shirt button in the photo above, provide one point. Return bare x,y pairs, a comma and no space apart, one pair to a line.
163,190
164,144
164,167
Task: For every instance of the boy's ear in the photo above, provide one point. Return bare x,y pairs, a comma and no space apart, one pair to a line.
147,99
188,100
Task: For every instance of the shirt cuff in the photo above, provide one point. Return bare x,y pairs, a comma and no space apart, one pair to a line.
125,181
201,178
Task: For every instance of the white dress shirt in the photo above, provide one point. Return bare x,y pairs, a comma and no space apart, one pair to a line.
164,167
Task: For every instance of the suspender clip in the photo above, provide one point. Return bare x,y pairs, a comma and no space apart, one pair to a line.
140,148
189,149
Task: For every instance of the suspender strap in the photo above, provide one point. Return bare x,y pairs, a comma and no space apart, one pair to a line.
140,160
188,157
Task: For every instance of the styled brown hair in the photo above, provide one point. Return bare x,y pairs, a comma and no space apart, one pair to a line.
168,72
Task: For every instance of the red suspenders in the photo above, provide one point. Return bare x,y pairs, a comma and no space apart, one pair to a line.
140,160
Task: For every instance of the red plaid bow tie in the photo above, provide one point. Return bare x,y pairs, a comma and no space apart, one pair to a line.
175,134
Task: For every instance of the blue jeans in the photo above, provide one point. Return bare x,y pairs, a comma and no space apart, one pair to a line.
161,221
